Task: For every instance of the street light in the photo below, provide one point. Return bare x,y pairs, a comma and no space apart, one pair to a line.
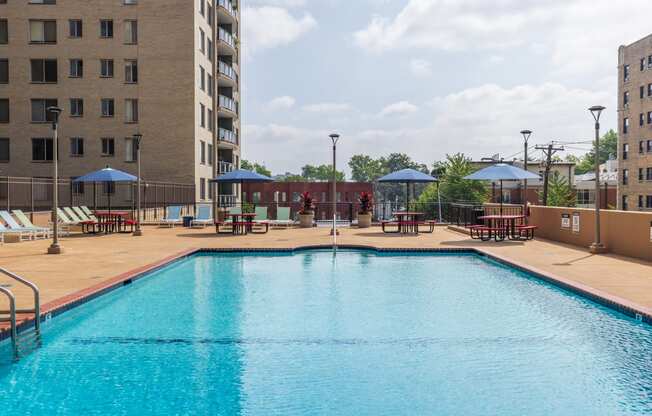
137,140
597,247
526,136
334,138
55,248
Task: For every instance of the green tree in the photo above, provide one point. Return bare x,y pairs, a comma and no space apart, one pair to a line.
398,161
255,167
560,192
365,168
321,173
452,185
608,150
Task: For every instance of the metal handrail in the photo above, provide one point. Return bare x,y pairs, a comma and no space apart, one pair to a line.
37,297
12,317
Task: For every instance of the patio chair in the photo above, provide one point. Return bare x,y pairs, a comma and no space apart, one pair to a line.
27,223
12,225
261,215
22,234
282,217
65,223
204,217
172,216
77,214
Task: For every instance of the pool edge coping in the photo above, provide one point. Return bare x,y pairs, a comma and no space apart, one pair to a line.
72,300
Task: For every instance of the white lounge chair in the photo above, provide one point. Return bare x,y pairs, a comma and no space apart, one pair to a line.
172,216
282,217
25,222
204,217
261,215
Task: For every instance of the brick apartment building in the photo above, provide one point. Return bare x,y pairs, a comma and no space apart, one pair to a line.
167,69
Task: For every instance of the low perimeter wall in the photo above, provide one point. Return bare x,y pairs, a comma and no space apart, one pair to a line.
622,232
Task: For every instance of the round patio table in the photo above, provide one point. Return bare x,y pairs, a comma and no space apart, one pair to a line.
407,221
242,223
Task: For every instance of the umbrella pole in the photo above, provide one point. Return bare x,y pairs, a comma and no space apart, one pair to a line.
407,196
501,197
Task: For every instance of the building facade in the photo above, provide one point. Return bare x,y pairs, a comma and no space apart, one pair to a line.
635,125
166,69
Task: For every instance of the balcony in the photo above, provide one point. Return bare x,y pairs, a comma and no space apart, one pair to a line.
224,167
227,200
226,37
226,103
226,8
228,75
227,136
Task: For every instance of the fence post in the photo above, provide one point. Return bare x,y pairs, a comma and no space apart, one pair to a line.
31,195
72,203
8,202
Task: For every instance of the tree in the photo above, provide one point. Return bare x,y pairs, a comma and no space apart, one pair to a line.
608,150
560,192
365,169
321,173
398,161
452,185
255,167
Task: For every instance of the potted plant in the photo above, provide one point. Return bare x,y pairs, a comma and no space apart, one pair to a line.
364,215
307,212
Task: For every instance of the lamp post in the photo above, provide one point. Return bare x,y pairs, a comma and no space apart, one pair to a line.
334,138
597,246
526,136
137,141
55,248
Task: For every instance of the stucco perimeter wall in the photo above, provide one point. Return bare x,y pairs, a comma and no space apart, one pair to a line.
622,232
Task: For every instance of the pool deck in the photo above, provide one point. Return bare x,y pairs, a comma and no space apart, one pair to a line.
92,263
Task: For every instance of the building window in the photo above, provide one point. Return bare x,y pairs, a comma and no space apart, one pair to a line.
4,110
202,41
202,78
625,125
625,176
106,68
75,28
641,177
210,119
210,154
211,17
626,98
209,85
131,110
77,187
648,201
76,107
108,107
648,174
43,1
130,2
624,202
641,119
640,201
108,146
43,31
210,50
626,73
131,151
202,152
76,147
649,146
131,71
649,117
4,149
76,68
108,188
4,32
131,32
44,70
202,7
625,150
642,64
39,109
4,71
641,91
202,188
202,115
641,147
649,90
106,28
41,149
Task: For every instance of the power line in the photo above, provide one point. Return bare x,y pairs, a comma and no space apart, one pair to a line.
548,151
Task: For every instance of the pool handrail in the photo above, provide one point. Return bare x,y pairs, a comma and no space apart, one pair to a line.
12,317
37,298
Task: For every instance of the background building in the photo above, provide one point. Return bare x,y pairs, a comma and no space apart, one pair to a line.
167,69
585,187
635,125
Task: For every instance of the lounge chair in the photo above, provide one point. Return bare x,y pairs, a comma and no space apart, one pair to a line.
81,213
64,222
282,217
87,211
87,222
27,223
261,215
203,218
23,235
172,216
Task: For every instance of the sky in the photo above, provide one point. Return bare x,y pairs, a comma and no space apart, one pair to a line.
427,77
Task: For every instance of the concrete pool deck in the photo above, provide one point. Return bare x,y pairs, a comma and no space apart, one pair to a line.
91,262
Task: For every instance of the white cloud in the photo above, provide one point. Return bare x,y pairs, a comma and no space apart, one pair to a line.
420,68
327,108
277,3
269,27
401,108
281,103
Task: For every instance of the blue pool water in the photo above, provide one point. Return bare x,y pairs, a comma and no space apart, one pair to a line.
355,334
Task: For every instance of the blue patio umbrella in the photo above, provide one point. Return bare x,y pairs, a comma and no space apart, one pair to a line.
407,176
107,175
241,176
501,172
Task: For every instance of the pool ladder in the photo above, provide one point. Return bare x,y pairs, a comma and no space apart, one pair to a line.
28,339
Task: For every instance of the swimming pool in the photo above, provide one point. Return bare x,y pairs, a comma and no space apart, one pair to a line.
359,333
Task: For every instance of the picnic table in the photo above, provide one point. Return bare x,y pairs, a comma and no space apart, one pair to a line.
408,222
500,227
112,221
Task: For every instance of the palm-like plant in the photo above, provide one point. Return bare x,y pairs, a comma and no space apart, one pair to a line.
365,203
307,203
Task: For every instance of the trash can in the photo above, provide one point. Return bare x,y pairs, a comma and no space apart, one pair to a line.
187,220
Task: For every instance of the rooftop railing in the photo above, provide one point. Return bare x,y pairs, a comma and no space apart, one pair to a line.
228,136
226,37
224,167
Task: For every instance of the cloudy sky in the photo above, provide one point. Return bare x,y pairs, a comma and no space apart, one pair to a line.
427,77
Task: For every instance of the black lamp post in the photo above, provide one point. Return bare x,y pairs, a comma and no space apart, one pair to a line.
137,142
334,138
597,246
55,248
526,136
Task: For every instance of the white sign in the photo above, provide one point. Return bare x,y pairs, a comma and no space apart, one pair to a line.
576,222
565,221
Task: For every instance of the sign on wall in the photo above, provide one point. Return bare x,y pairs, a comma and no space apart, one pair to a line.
651,232
565,221
576,222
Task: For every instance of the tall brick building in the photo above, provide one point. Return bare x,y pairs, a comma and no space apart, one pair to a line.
167,69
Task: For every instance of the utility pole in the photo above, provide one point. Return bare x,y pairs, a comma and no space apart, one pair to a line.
549,151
